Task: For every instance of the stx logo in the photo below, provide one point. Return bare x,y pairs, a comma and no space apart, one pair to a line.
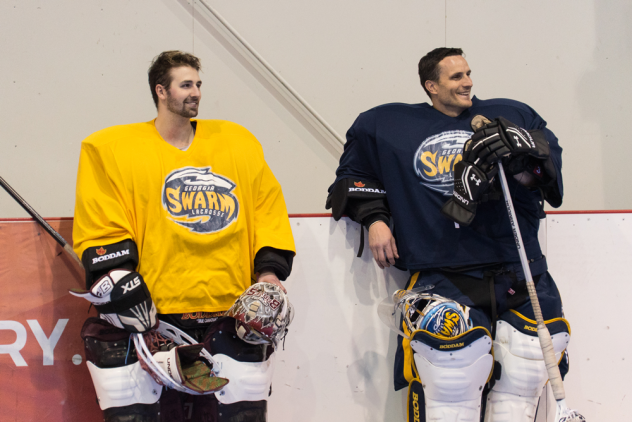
46,343
131,285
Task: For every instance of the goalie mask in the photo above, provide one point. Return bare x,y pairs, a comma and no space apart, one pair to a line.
430,312
262,314
177,361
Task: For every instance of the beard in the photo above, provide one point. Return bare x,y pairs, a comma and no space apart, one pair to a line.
180,107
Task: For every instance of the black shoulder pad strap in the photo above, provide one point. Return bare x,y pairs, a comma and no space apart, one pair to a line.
99,260
352,188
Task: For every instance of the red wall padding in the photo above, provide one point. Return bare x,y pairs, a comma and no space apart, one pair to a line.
35,275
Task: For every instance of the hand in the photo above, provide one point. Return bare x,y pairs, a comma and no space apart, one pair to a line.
470,183
270,277
382,244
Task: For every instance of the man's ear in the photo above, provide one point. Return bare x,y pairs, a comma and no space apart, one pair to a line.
431,86
161,92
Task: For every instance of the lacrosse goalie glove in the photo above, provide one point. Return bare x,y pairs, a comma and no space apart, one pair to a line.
177,361
262,314
123,300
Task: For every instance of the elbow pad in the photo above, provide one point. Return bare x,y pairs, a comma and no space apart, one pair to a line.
99,260
347,191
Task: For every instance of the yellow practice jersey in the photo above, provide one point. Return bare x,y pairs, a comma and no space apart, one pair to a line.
197,216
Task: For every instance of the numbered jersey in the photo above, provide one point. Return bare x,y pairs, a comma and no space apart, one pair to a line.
197,216
412,149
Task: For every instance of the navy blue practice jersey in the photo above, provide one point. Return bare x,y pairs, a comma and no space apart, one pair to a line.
411,149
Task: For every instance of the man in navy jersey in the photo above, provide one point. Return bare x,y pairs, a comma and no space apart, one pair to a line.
397,178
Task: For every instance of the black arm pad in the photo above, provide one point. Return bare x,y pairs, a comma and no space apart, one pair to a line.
100,259
278,260
360,200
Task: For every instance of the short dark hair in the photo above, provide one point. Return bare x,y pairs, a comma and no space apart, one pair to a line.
159,71
429,64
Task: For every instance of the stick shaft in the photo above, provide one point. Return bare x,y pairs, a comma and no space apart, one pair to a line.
38,218
543,333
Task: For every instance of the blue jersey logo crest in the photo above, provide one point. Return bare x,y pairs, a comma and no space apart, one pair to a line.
199,199
435,159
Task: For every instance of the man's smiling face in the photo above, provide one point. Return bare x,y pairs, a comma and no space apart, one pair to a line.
451,93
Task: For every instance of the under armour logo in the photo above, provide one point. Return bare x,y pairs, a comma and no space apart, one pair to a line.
131,285
474,179
517,141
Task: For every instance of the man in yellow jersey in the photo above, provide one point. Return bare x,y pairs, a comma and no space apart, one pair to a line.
181,216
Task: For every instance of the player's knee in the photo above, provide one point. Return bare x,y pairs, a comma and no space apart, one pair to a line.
124,390
522,371
517,349
452,373
249,367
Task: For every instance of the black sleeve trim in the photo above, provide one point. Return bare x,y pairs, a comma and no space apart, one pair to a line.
100,259
372,218
277,260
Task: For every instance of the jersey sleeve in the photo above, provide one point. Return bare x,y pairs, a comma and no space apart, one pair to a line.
357,190
554,192
272,224
360,158
100,214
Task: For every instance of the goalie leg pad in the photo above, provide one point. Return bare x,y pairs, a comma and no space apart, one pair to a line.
453,372
515,395
248,381
123,386
247,367
118,378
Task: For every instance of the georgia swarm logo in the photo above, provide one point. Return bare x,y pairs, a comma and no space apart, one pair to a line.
435,159
199,199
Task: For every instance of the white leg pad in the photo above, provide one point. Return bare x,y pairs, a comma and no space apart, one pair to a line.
453,381
515,396
247,381
117,387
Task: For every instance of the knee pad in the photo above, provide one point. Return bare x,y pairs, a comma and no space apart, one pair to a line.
452,372
247,367
117,383
123,386
523,374
248,381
